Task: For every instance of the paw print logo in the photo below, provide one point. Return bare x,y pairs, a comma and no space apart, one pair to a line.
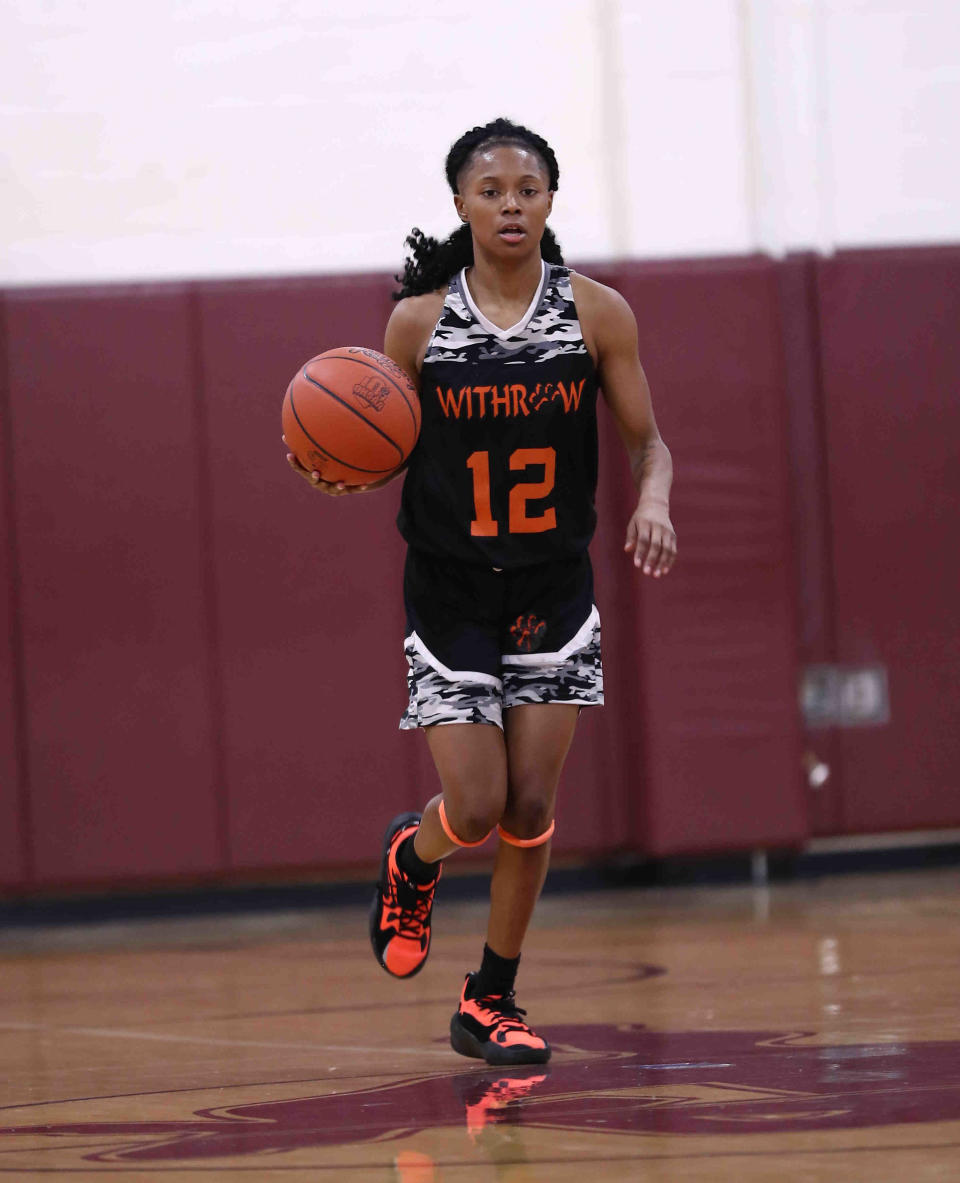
528,632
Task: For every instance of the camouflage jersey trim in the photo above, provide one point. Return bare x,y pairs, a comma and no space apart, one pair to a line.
495,330
553,330
413,645
580,640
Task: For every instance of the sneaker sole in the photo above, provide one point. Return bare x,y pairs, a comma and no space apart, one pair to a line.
398,823
462,1041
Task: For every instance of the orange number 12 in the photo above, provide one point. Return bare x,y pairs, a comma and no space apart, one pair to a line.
484,525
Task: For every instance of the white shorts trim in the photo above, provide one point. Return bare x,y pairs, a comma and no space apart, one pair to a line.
580,638
451,675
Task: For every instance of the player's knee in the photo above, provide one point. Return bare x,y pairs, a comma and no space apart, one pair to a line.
472,822
528,817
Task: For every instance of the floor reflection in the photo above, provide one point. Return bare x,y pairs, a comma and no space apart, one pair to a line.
603,1079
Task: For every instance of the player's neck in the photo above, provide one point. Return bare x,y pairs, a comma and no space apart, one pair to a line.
499,287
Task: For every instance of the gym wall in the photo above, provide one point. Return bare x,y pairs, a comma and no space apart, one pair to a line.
202,668
199,664
205,138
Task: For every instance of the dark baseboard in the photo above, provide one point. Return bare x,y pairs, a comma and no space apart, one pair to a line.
627,871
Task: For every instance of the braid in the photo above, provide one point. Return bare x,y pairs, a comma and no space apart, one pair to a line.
431,263
550,248
499,131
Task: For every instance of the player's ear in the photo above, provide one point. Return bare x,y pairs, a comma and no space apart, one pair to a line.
549,203
458,202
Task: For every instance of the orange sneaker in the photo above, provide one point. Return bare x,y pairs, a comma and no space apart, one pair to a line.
488,1102
491,1028
400,912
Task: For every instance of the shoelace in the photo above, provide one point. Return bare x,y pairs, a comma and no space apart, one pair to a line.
410,913
411,921
504,1006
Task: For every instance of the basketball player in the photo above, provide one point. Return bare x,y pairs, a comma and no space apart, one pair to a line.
508,348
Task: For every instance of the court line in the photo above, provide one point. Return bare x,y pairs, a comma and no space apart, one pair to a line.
121,1033
475,1068
638,972
471,1164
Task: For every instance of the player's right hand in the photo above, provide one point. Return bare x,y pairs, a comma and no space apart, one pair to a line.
333,489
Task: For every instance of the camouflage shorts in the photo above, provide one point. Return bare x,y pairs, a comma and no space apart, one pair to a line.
440,695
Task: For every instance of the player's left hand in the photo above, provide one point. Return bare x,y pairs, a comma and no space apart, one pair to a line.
332,488
651,537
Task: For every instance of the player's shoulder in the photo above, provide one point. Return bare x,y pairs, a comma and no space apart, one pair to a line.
606,319
410,327
597,299
418,312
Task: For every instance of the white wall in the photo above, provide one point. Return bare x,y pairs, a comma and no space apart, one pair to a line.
230,137
852,112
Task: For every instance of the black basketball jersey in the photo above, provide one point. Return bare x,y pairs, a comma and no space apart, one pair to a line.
505,470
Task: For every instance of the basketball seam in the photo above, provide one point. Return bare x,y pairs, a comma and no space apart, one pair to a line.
382,373
353,411
326,451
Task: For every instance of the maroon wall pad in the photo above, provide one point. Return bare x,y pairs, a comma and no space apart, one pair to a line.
308,592
594,808
201,660
13,852
596,800
718,636
813,554
105,466
891,356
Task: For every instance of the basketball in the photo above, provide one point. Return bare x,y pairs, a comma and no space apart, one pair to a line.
352,415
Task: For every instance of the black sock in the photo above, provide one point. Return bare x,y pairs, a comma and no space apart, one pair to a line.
497,974
413,866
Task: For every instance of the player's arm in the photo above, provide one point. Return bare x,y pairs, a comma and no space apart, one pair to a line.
613,329
405,341
408,332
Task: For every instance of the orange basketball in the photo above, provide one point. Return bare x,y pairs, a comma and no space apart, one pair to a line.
352,415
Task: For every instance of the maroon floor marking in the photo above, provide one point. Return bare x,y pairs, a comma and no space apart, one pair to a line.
794,1087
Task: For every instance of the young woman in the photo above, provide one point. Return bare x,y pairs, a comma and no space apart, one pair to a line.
508,348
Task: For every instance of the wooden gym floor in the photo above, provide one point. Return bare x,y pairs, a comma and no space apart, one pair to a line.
806,1032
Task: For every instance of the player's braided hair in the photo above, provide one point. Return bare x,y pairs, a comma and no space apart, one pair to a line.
431,263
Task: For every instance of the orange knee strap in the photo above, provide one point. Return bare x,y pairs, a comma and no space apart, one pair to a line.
538,841
451,835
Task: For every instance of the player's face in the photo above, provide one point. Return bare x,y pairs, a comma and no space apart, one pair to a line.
505,196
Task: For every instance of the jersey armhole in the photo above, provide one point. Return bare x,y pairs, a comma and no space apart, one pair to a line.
436,325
